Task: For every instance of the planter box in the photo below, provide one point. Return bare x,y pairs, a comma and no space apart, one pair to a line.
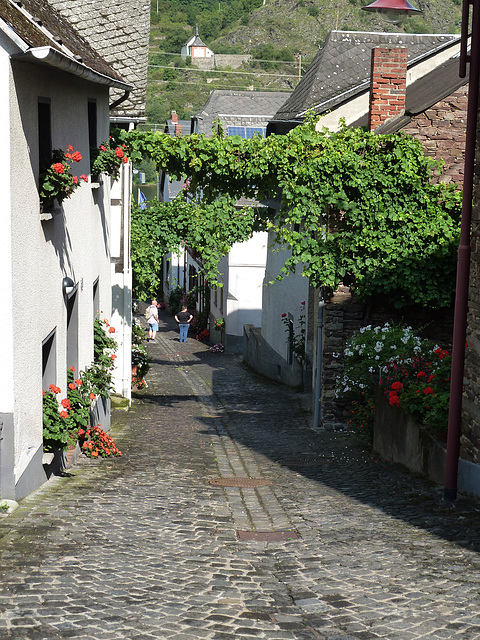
398,438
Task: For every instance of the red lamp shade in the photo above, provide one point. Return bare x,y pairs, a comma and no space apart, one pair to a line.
392,6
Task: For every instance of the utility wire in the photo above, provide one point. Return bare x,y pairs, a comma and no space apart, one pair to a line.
215,86
241,73
167,53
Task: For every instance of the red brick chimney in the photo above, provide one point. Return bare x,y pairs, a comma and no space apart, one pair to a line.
178,129
388,85
174,117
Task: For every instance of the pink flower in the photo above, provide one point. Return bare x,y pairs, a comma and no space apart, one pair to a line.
75,180
84,177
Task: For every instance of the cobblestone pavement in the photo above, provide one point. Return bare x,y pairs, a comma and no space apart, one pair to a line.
146,547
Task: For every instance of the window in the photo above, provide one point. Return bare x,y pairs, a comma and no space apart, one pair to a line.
96,299
72,330
44,132
246,132
92,124
49,360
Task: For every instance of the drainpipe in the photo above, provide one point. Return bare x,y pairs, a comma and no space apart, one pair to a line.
119,101
318,377
463,264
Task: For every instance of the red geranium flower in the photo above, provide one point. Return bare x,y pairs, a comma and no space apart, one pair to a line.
72,368
91,396
78,382
111,330
421,374
66,403
397,386
70,148
427,390
54,389
76,156
75,180
72,385
284,315
84,177
394,400
58,167
63,414
119,152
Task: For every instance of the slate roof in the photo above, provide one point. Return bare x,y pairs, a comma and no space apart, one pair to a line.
341,69
251,106
38,24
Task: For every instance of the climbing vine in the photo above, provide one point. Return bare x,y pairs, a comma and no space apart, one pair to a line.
356,207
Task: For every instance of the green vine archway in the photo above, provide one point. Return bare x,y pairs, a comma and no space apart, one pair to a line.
355,207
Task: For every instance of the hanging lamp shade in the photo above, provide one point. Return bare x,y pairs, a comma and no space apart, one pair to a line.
399,7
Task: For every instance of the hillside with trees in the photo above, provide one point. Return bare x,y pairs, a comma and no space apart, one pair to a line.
282,36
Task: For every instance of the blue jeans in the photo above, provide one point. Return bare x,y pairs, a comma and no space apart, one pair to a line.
183,332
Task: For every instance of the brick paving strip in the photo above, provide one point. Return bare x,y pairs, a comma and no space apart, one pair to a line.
254,509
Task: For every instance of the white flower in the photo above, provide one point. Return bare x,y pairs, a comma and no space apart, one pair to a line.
371,369
378,346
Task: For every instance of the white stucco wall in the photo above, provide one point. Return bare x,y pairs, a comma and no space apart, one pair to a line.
284,296
6,306
36,254
243,271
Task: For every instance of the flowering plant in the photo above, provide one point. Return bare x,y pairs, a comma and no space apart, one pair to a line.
79,401
219,324
57,181
421,386
296,338
141,360
217,348
203,335
96,443
55,425
108,158
413,373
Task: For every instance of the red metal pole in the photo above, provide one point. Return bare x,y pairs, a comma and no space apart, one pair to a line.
463,265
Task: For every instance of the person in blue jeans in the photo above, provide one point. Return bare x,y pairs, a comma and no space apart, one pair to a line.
183,318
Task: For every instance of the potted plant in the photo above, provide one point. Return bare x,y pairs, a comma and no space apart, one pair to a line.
108,158
56,180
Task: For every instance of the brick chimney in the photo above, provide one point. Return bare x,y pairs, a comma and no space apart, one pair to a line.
178,129
388,85
174,117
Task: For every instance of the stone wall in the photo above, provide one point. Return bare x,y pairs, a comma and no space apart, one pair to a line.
119,31
441,130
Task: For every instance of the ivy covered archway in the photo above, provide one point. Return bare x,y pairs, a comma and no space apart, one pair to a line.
355,206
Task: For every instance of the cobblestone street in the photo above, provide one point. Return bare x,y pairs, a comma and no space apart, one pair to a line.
331,543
